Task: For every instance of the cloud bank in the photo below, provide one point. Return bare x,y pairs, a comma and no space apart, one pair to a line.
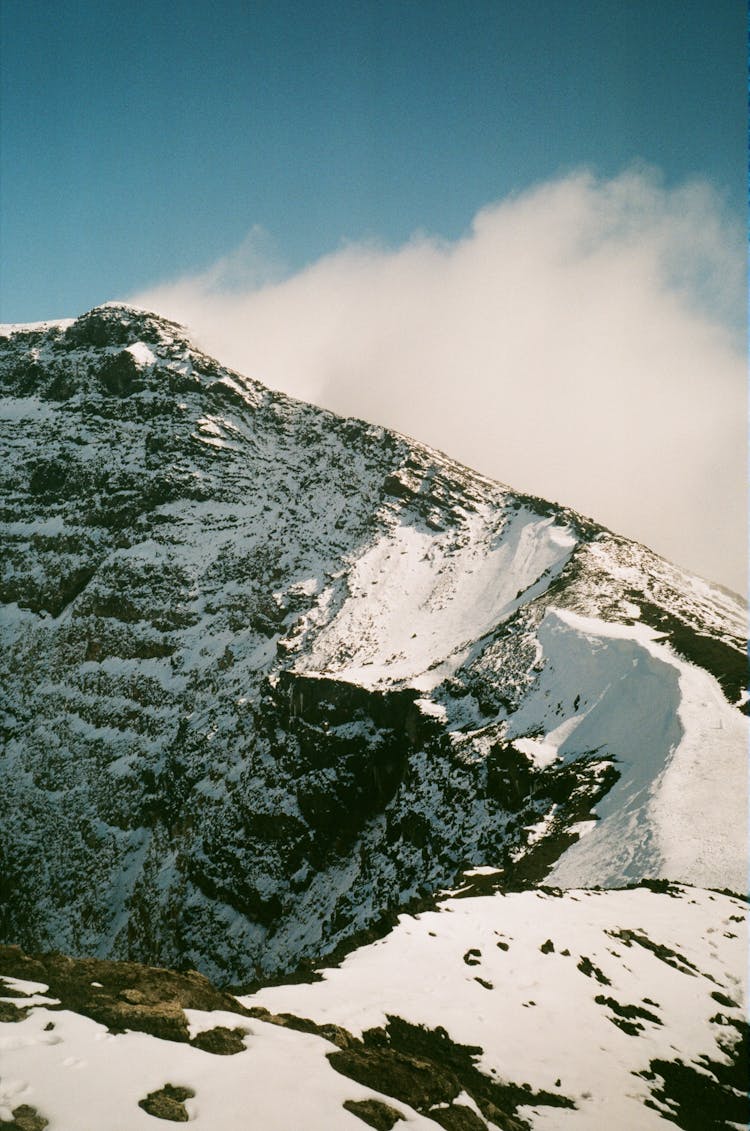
583,342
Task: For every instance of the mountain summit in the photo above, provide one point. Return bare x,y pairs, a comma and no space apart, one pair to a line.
270,675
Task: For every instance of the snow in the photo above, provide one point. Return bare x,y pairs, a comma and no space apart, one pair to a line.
680,807
540,1022
8,328
360,586
540,828
538,1015
24,408
80,1076
142,354
699,601
432,709
541,752
418,600
23,986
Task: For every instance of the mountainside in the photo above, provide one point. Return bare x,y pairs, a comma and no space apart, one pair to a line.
271,682
270,675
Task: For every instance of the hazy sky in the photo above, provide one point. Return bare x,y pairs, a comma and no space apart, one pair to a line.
511,229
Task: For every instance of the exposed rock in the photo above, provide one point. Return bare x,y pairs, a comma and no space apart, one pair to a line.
374,1113
333,1033
707,1094
10,1012
123,995
459,1117
25,1118
168,1103
220,1040
423,1068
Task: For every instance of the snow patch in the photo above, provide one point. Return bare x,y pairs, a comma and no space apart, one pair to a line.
142,355
419,600
544,1015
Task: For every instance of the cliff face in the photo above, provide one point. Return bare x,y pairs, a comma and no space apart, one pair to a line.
268,674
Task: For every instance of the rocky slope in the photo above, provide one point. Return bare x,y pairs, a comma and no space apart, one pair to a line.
269,675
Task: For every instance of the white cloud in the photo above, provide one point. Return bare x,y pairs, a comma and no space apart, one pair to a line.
582,342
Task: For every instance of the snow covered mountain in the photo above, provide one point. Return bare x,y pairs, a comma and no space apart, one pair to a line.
270,676
272,681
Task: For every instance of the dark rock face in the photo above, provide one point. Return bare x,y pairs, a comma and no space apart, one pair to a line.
369,766
186,789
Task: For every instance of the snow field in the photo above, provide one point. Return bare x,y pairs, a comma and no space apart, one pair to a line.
679,809
83,1078
535,1016
419,599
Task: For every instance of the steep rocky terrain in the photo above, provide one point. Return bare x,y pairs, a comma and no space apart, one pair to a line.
269,675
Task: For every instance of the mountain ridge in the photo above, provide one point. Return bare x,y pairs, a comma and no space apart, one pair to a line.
214,596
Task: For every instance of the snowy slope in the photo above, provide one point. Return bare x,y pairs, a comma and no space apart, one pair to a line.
80,1076
533,1010
678,747
269,675
421,597
579,993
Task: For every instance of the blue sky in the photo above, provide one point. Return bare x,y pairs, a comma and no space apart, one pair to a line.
143,141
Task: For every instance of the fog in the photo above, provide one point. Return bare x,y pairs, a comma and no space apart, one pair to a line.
582,341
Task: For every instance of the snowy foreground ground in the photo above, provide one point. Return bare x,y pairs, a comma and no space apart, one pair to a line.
583,1010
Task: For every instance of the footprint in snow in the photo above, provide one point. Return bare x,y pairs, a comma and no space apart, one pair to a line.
74,1062
10,1092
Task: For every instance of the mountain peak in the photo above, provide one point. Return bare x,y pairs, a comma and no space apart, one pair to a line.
112,351
116,323
269,671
